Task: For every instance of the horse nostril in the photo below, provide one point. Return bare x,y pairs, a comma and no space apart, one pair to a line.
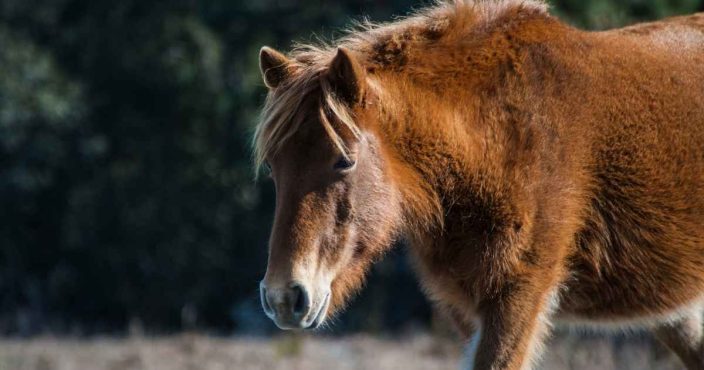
265,300
300,300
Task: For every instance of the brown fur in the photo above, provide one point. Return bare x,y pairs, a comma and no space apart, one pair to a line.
538,172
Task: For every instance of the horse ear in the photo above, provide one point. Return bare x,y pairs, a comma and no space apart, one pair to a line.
347,77
274,67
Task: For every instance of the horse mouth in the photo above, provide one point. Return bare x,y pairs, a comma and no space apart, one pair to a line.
319,317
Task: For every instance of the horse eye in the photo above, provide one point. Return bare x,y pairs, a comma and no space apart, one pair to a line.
267,168
343,164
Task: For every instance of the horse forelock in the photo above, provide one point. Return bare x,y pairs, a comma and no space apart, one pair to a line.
284,112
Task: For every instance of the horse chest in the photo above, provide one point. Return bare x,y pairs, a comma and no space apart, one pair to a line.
450,270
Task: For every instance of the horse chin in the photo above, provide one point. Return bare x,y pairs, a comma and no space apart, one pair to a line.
319,318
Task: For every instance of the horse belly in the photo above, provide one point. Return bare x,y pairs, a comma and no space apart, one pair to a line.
634,282
640,252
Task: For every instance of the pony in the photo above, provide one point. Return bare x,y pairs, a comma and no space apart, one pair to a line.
537,173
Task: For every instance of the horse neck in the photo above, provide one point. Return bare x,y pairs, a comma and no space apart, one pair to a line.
457,121
420,160
449,147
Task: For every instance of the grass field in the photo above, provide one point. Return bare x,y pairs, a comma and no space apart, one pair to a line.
311,352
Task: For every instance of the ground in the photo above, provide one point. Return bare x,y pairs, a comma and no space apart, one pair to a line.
312,352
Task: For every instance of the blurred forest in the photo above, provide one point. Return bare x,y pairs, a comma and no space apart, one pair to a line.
126,187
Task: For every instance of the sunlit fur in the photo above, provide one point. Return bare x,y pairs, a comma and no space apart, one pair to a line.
537,172
281,118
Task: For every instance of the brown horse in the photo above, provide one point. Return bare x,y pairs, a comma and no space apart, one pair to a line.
538,173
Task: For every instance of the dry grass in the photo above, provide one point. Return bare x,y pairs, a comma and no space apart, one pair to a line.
309,352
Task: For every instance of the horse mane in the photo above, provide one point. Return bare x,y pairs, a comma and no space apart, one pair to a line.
379,47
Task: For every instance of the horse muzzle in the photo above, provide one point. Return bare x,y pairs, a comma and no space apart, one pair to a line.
293,305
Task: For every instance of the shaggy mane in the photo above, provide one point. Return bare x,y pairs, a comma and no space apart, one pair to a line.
379,47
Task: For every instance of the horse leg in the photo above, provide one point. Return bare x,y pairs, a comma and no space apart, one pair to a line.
684,338
464,327
512,328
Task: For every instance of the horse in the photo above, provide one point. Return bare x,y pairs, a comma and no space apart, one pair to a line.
537,173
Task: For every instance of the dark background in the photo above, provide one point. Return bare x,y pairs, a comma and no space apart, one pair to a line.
126,188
